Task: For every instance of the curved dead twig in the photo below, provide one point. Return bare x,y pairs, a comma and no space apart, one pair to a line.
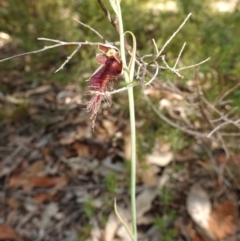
173,124
227,93
223,124
224,117
207,119
154,76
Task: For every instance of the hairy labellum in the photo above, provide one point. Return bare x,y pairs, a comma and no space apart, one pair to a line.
103,78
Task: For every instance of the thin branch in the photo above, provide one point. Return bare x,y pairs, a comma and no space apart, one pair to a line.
179,56
194,65
228,92
59,43
68,58
173,124
229,134
158,54
205,116
69,43
221,125
154,76
108,15
108,93
219,112
168,67
225,116
89,27
155,46
31,52
173,35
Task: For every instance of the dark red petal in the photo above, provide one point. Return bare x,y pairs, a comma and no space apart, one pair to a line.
101,58
103,48
104,76
115,68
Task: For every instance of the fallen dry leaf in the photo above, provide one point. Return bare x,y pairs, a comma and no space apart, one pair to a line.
68,138
109,126
27,183
123,234
41,197
144,200
13,203
17,180
161,154
50,211
7,232
199,206
45,181
96,230
223,221
148,174
15,140
192,233
160,159
217,225
81,149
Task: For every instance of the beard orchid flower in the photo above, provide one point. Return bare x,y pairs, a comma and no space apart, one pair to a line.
104,77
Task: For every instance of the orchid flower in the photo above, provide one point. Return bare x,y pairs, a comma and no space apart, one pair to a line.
103,78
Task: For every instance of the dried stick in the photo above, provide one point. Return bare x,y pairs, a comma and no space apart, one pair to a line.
108,93
68,58
171,69
59,43
173,35
194,65
224,116
228,92
108,15
219,112
154,76
173,124
92,29
179,55
204,114
223,124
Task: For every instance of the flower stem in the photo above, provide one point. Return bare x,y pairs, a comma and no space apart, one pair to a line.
129,78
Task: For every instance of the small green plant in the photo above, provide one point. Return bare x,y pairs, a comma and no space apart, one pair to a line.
111,182
89,209
84,232
167,196
163,223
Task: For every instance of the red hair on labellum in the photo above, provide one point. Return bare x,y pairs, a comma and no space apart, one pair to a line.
104,77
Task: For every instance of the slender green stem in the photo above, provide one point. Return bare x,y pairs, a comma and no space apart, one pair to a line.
133,161
129,78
